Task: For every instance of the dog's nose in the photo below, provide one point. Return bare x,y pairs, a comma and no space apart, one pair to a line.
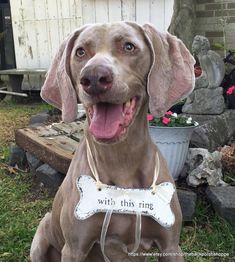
96,80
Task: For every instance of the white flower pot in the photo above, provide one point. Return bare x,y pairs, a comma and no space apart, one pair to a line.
173,142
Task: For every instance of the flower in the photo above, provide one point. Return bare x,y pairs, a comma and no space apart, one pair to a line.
150,117
169,113
197,71
166,120
189,120
171,119
231,90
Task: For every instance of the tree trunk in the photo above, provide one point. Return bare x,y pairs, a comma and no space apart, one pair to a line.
182,22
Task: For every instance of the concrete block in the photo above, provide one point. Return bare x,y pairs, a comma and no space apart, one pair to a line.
39,119
223,201
33,162
17,157
187,201
213,130
49,176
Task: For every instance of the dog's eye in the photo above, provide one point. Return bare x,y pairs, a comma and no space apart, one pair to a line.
129,47
80,52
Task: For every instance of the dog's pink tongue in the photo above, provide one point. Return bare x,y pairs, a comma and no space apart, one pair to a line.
106,121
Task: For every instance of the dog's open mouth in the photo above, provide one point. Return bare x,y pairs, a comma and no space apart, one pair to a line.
110,121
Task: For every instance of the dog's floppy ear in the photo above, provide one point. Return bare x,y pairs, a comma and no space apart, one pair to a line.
58,89
171,77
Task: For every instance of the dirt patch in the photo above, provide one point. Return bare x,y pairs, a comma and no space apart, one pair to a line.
9,124
39,191
14,116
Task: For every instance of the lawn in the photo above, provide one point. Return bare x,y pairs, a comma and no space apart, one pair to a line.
21,209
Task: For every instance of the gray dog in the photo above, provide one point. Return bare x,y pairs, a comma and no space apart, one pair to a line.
118,71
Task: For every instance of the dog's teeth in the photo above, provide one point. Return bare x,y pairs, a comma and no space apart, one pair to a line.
90,112
128,104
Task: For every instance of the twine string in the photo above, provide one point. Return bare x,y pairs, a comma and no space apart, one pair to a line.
156,173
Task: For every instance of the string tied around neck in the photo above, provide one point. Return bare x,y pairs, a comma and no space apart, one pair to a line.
156,173
92,166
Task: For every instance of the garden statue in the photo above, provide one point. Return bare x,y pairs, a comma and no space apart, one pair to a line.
207,97
203,167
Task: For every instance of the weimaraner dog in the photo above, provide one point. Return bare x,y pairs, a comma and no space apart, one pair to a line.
118,71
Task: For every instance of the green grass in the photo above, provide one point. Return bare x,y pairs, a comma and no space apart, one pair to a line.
208,233
19,216
21,211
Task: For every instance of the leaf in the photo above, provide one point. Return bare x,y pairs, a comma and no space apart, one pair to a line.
5,254
218,45
12,170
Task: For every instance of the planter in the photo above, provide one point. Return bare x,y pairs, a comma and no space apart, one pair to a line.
173,142
231,101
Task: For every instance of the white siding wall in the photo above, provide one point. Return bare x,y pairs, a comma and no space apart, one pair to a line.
39,26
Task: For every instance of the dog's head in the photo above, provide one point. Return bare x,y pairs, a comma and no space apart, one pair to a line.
115,69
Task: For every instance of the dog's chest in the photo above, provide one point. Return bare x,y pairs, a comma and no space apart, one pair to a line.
124,227
122,234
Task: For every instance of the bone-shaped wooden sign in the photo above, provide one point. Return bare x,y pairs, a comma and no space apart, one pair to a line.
125,201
